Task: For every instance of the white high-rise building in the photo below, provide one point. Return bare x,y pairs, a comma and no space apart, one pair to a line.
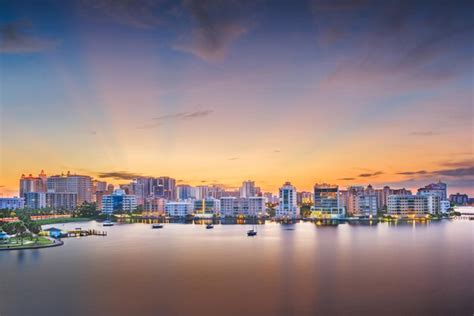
326,202
118,201
366,205
201,192
248,189
287,207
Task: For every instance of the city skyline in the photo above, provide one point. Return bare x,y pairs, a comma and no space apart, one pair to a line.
206,92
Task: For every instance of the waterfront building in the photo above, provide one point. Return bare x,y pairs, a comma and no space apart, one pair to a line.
71,183
287,208
35,200
32,184
459,199
304,198
251,206
444,206
366,205
178,209
12,203
247,189
413,205
61,200
118,202
208,205
439,189
326,202
155,205
184,192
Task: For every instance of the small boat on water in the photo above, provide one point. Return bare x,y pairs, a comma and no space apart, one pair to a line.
107,223
252,232
157,226
209,226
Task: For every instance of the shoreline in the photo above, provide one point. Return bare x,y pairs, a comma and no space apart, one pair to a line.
55,243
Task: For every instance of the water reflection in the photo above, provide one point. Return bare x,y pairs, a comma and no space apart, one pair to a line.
304,268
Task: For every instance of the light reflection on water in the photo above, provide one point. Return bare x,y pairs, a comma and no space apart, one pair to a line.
299,269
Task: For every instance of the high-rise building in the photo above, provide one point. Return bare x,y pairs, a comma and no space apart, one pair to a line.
439,189
184,192
32,184
155,205
248,189
201,192
118,201
326,202
287,208
165,187
71,183
413,205
35,200
366,205
61,200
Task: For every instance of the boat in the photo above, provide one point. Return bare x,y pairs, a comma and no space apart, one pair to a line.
252,232
209,226
157,226
107,223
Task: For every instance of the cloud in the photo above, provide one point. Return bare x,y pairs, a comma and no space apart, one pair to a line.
395,41
346,179
277,151
368,175
16,38
233,158
140,14
409,173
424,133
459,164
458,172
462,171
119,175
182,116
216,25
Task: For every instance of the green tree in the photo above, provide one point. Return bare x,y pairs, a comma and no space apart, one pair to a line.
87,209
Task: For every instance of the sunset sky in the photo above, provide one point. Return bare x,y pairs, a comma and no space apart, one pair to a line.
344,92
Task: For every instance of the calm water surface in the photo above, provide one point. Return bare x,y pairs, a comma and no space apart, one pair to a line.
302,269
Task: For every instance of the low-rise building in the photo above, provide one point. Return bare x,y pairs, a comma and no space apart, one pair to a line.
12,203
413,205
251,206
179,209
459,199
208,206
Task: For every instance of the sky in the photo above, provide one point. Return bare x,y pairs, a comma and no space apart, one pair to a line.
217,92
